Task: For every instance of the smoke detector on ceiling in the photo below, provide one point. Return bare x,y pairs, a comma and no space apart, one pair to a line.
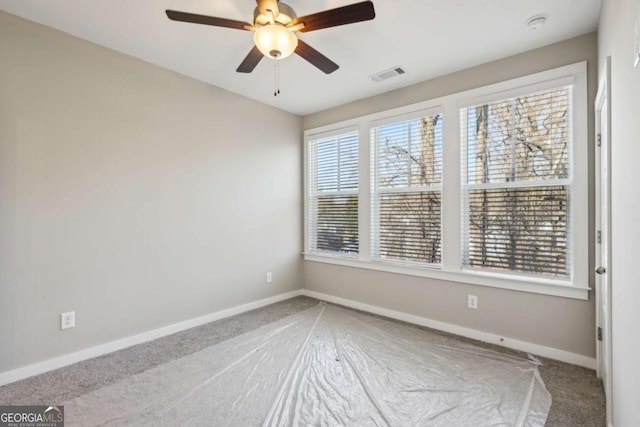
387,74
536,22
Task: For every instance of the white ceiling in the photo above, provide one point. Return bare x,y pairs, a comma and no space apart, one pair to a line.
428,38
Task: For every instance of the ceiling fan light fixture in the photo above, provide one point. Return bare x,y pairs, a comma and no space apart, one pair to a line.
275,41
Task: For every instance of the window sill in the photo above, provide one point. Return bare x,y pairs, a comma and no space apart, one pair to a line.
515,283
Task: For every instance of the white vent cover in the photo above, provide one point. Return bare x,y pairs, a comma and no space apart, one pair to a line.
387,74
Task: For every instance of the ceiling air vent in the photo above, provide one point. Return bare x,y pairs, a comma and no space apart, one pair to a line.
387,74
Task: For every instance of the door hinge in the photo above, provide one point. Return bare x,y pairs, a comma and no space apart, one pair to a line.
599,236
599,333
599,139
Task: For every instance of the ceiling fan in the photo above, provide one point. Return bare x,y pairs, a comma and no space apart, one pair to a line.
275,25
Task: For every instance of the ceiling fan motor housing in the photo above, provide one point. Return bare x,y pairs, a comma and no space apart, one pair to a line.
285,17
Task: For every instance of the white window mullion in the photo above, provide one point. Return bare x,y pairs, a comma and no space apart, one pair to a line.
519,184
429,188
337,193
364,199
451,190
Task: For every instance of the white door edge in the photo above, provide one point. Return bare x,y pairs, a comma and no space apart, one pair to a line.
603,313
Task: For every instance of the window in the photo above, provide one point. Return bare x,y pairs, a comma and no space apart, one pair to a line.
407,187
487,187
333,194
517,184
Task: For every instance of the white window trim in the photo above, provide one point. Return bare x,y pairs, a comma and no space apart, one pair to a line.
451,269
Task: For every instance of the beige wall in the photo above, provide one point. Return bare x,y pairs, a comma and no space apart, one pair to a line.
561,323
139,198
616,40
133,195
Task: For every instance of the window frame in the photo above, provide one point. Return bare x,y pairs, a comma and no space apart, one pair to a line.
577,286
568,182
309,199
375,192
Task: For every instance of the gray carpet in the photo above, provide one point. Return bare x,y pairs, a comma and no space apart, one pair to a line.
578,397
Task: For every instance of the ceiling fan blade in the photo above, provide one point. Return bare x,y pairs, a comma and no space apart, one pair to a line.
193,18
316,58
358,12
251,60
269,6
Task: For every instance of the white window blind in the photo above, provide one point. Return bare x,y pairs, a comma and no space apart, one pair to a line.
333,194
516,184
407,185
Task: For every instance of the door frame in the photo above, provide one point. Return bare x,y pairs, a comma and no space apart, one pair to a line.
603,101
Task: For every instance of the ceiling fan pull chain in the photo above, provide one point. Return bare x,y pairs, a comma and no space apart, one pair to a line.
276,78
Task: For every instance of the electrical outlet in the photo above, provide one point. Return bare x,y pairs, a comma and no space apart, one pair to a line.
472,301
68,320
268,278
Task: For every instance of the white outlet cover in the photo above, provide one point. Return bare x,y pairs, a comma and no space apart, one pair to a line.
68,320
472,301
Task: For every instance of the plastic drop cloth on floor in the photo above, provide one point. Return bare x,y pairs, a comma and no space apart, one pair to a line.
327,366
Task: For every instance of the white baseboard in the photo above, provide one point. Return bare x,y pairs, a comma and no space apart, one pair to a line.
536,349
68,359
78,356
